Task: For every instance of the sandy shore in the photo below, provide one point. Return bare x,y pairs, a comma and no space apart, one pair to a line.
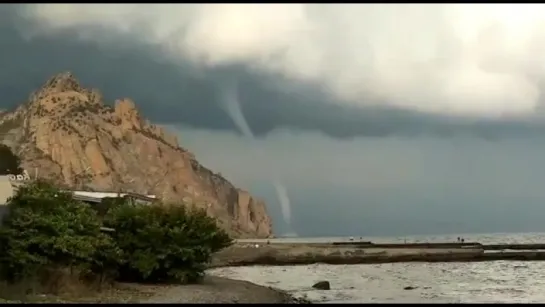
219,290
213,290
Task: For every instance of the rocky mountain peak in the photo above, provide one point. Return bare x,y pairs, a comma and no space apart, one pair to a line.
68,134
63,82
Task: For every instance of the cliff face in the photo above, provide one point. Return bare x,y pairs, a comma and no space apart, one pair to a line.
65,133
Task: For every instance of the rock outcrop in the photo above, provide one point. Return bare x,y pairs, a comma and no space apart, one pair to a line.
322,285
67,134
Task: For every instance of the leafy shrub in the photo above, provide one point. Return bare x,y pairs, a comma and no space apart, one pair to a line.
107,204
162,243
46,228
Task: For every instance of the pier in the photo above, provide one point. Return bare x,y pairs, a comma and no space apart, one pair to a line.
260,253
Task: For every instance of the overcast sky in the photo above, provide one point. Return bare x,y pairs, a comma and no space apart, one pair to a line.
378,119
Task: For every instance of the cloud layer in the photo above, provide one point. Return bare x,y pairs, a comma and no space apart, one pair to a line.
173,61
392,77
484,60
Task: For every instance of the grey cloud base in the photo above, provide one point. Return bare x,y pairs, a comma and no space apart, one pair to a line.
180,93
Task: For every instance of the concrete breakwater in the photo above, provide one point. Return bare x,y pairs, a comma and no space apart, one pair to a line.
355,253
443,245
408,245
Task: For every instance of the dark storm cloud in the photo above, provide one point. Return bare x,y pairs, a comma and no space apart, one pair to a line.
177,93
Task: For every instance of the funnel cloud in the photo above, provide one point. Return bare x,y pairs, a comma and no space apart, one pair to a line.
229,95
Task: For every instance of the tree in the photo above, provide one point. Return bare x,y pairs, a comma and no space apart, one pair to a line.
9,162
45,229
162,243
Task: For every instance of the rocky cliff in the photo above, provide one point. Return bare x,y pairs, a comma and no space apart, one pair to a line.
67,134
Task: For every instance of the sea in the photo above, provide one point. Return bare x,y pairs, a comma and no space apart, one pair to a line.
473,282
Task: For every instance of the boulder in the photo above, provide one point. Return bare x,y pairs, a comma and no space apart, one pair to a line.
322,285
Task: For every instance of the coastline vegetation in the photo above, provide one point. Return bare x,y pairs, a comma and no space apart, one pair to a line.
52,244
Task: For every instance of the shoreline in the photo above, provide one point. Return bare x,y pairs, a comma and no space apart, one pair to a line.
218,289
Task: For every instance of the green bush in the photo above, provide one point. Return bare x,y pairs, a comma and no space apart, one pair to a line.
162,243
46,229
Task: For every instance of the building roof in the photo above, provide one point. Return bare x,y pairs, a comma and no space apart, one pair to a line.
87,198
96,197
112,194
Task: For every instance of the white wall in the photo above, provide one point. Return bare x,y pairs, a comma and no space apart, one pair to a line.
6,189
